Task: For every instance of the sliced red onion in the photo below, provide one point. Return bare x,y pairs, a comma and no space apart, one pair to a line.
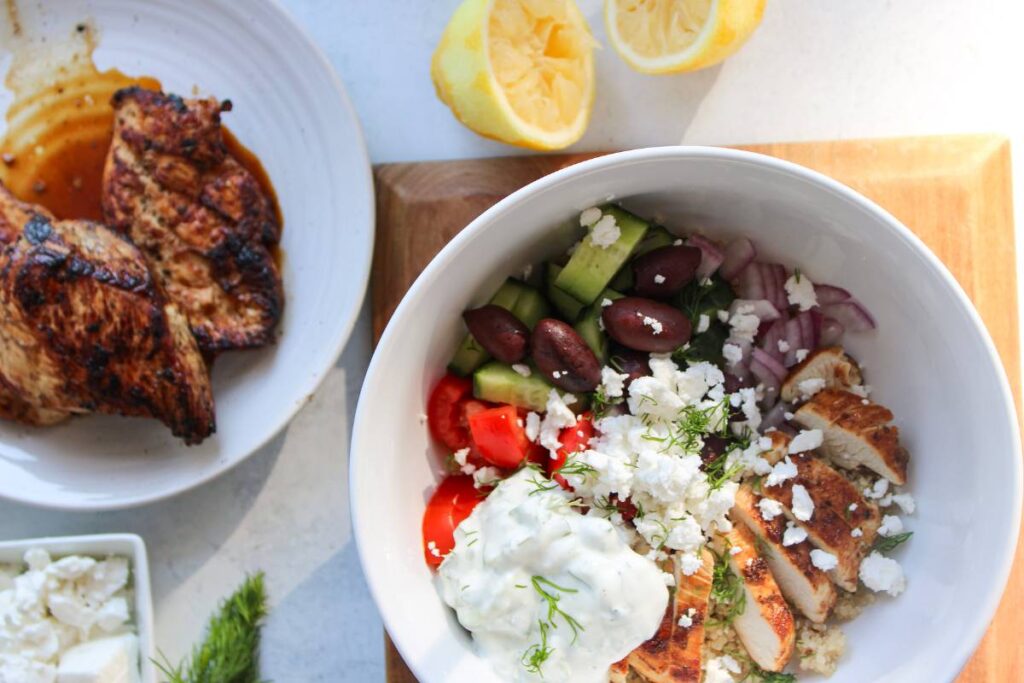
830,294
751,284
763,358
773,276
762,308
794,338
810,324
775,333
737,256
742,368
831,332
711,258
851,315
765,374
775,416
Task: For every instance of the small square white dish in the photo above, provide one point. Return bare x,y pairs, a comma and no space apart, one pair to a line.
100,546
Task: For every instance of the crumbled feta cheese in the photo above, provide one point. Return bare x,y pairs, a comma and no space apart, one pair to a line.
668,578
703,323
806,440
803,506
659,279
722,315
532,426
800,292
735,550
486,476
686,618
809,387
905,501
853,507
891,525
857,533
606,302
783,346
605,232
732,353
748,406
590,216
715,671
880,573
794,534
557,418
522,369
781,471
824,561
878,490
862,390
652,323
432,547
770,509
788,415
460,459
744,323
801,354
612,382
677,242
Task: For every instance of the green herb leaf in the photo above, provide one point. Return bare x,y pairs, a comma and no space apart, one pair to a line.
230,653
727,590
884,544
537,654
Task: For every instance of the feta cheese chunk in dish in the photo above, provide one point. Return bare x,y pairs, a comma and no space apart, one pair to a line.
663,465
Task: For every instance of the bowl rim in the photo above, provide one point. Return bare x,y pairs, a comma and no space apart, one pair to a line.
124,544
1005,554
311,382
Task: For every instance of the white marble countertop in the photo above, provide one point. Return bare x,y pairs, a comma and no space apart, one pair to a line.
815,70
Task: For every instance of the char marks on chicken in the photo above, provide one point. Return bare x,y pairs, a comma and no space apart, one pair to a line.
202,220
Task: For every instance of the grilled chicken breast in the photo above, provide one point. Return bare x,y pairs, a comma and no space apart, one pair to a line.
765,627
199,216
84,328
831,365
832,523
856,433
619,671
805,586
673,655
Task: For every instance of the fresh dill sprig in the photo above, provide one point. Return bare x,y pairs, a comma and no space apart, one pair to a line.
573,466
230,652
541,585
542,484
886,543
727,590
718,474
759,675
601,403
605,505
538,653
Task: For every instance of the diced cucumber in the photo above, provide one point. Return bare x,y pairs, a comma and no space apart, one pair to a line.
471,355
531,306
589,328
591,267
499,383
568,306
657,237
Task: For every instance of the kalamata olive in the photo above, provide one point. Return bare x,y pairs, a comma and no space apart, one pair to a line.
564,358
503,335
632,363
646,325
662,272
714,447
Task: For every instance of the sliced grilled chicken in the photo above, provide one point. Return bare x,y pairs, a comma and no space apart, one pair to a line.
765,627
673,655
856,432
831,526
803,584
831,365
619,671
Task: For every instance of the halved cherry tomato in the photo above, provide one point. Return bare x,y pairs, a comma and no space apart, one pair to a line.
451,503
574,439
499,436
445,415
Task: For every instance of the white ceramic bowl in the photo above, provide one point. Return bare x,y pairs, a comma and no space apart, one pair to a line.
100,546
292,111
931,361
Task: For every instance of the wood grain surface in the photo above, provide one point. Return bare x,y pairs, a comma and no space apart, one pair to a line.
953,191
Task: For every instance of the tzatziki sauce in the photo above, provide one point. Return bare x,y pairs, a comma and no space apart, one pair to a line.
549,594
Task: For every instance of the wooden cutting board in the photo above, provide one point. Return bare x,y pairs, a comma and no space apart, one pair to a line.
953,191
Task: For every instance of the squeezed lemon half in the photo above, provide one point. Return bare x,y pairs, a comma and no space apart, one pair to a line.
667,36
518,71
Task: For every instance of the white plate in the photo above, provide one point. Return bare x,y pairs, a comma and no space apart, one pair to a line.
931,361
99,546
292,111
